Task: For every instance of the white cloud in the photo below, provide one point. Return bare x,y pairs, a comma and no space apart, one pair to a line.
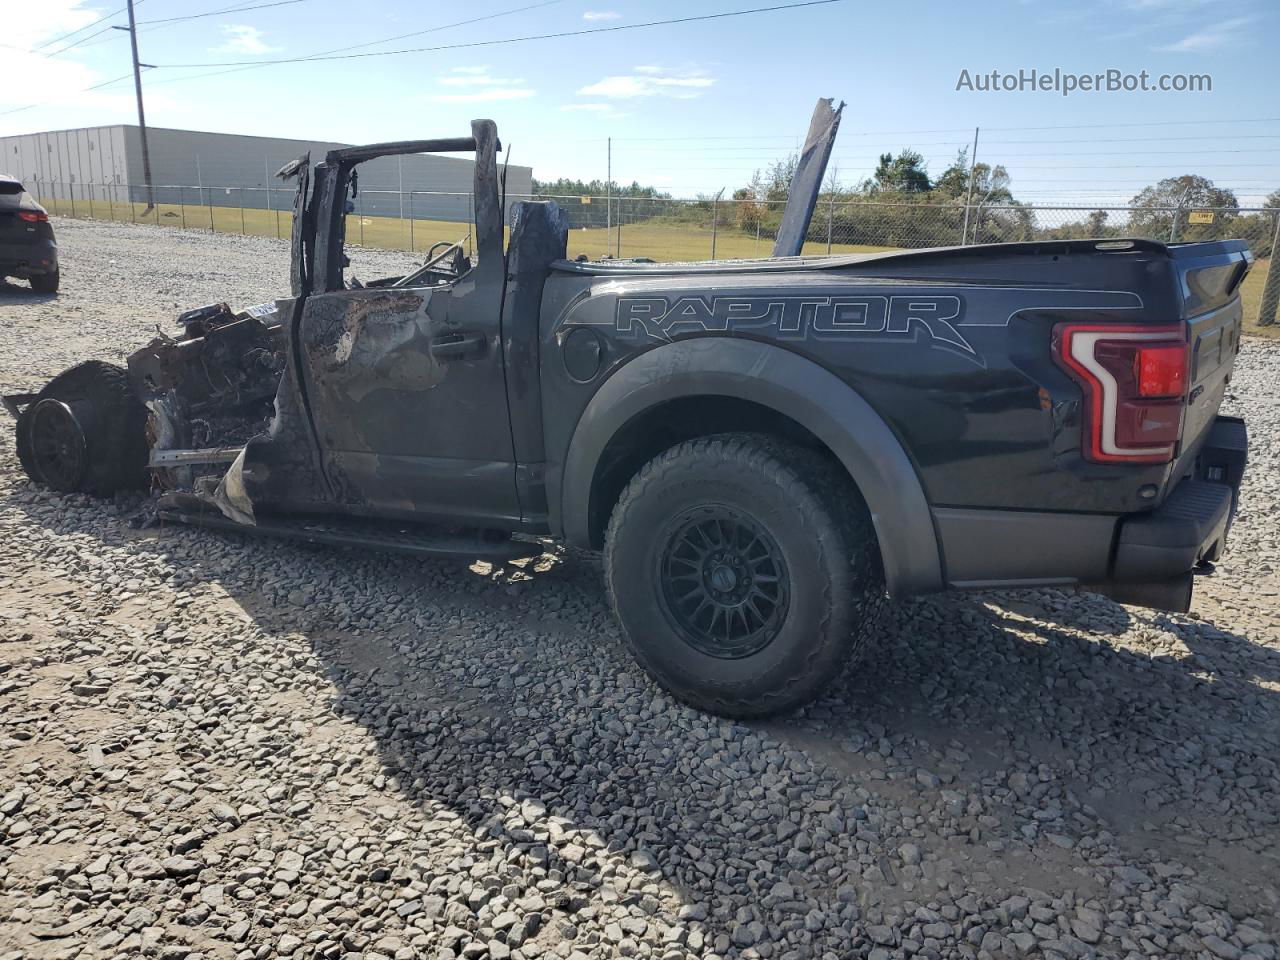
56,87
589,107
650,81
496,93
483,86
1210,37
43,22
242,38
597,15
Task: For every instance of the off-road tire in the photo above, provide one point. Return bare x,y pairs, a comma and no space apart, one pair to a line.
814,517
112,421
46,282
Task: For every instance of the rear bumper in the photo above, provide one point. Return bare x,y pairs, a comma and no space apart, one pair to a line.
1145,559
1156,553
1190,528
28,259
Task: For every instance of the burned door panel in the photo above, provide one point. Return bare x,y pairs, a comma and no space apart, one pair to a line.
301,232
409,407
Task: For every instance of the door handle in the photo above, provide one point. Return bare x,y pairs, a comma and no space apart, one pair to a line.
457,346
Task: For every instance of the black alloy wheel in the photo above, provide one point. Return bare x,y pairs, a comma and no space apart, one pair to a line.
723,582
58,448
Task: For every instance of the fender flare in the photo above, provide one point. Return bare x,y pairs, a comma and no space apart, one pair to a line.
793,386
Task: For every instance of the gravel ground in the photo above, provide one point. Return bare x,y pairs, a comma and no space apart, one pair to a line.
220,747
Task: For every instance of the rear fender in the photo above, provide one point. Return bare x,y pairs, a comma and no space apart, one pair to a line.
793,386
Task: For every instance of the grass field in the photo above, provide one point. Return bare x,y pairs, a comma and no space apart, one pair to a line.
1251,294
660,241
656,240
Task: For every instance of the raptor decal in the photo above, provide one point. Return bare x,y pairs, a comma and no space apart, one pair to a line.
793,318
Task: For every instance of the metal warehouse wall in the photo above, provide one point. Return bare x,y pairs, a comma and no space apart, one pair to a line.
90,155
194,167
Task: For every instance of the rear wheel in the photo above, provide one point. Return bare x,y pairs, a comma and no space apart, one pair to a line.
85,432
744,572
46,282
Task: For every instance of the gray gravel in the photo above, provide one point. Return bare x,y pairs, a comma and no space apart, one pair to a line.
219,747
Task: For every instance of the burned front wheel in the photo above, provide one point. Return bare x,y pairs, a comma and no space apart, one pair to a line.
85,432
744,572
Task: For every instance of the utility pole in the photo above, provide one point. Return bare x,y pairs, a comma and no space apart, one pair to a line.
968,197
608,200
715,220
142,118
1177,212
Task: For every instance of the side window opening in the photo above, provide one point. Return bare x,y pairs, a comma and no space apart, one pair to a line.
372,248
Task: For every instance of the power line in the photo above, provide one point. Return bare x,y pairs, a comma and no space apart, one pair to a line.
104,83
1144,123
445,26
75,43
164,21
774,152
882,133
437,29
505,40
72,33
214,13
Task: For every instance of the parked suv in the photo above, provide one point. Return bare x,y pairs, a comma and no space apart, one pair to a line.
27,247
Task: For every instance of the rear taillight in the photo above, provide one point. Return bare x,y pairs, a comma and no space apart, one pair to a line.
1135,384
33,216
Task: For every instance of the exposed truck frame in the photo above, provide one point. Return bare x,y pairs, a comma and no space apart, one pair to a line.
762,449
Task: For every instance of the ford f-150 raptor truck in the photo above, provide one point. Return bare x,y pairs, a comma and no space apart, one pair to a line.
763,450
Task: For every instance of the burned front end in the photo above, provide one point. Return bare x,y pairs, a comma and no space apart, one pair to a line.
207,391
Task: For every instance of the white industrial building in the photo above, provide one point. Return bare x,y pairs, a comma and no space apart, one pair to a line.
222,169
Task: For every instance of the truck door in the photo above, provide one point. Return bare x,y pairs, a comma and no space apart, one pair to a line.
407,393
404,380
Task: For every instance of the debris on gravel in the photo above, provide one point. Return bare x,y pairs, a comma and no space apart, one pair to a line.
221,747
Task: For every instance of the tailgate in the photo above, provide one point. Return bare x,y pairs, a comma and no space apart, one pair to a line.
1209,275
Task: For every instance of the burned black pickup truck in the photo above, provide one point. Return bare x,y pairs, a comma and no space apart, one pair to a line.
762,450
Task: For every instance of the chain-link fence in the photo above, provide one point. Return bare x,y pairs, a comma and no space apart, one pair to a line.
680,229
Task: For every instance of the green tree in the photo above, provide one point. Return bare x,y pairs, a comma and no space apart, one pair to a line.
1154,208
954,182
905,173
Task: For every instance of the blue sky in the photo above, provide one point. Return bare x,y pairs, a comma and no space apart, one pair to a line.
696,106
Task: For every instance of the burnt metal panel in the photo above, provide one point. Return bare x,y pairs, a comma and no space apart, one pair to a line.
488,206
406,388
326,211
539,236
302,240
373,150
807,180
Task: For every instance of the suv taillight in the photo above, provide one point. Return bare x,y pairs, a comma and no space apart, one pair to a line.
32,216
1135,385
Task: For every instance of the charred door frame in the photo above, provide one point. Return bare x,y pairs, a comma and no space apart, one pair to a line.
317,266
328,211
